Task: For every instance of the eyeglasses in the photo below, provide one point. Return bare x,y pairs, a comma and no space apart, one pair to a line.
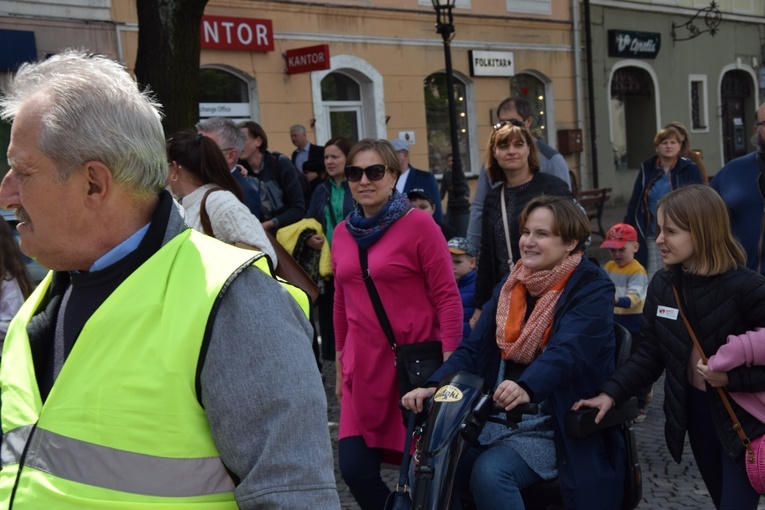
374,172
513,122
224,151
758,124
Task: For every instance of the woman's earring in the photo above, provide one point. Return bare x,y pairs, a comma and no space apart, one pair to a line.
174,177
390,195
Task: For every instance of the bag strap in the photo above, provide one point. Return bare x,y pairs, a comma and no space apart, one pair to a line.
736,425
375,298
402,486
507,230
203,216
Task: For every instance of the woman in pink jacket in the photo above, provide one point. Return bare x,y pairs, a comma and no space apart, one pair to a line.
410,265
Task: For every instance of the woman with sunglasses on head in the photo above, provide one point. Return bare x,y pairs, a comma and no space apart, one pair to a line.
200,180
511,158
410,265
705,282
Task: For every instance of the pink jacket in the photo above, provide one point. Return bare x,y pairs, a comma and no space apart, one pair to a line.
747,349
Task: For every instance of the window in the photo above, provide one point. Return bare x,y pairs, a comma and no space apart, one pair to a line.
698,99
222,94
437,119
530,6
533,89
634,118
355,107
341,94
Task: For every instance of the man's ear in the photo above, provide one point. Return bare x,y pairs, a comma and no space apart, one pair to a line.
529,121
99,181
637,246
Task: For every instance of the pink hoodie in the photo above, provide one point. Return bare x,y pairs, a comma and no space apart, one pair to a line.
747,349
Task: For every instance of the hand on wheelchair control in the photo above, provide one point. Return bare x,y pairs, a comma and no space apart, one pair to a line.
415,399
509,395
602,402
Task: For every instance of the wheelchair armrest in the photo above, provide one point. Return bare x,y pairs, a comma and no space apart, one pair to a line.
581,423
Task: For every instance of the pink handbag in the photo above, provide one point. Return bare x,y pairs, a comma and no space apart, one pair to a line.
755,464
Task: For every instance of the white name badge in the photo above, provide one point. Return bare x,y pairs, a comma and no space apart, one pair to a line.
667,312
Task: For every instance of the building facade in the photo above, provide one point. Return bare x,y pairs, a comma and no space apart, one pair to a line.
648,71
376,69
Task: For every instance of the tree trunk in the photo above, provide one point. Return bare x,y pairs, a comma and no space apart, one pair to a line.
168,57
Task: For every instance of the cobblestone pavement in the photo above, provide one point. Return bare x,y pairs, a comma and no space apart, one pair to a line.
666,484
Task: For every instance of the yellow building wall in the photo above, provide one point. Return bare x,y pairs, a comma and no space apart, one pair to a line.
398,39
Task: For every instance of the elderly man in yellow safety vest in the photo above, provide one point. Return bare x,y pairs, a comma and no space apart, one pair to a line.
154,367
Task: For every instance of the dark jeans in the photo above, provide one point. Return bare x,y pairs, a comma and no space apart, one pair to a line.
724,477
360,467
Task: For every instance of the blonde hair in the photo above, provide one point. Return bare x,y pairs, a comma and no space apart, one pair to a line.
667,132
383,148
699,210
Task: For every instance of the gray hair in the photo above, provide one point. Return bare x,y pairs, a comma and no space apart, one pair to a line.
226,130
298,127
93,111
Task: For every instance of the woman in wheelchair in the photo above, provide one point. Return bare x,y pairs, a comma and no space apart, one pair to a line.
546,337
719,297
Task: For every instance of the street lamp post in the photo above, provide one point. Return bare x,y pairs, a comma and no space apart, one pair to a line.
457,206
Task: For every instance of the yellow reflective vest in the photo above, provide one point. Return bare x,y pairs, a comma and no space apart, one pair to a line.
122,427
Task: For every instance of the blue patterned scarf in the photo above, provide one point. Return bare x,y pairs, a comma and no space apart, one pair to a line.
366,231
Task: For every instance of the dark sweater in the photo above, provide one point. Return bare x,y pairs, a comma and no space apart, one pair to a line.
716,306
493,250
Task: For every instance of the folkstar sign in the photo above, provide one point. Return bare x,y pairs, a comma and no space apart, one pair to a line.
310,58
238,34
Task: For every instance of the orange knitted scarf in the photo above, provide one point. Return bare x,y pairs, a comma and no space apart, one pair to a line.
522,341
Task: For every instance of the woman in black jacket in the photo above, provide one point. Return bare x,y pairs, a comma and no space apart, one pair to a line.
511,158
720,297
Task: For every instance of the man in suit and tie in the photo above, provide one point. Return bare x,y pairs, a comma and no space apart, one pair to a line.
412,178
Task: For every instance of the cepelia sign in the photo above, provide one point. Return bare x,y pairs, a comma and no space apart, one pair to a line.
623,43
238,34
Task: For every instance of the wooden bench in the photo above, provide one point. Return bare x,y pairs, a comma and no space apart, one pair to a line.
593,201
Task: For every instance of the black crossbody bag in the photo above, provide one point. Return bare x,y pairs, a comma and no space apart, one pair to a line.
415,363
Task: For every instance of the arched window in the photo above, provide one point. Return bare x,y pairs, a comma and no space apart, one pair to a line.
437,119
341,95
355,107
223,94
633,116
532,88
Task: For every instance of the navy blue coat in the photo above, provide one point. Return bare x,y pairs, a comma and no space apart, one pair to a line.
685,172
251,195
425,181
466,285
577,360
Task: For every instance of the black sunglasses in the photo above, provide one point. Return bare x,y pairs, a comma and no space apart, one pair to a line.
516,123
374,172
